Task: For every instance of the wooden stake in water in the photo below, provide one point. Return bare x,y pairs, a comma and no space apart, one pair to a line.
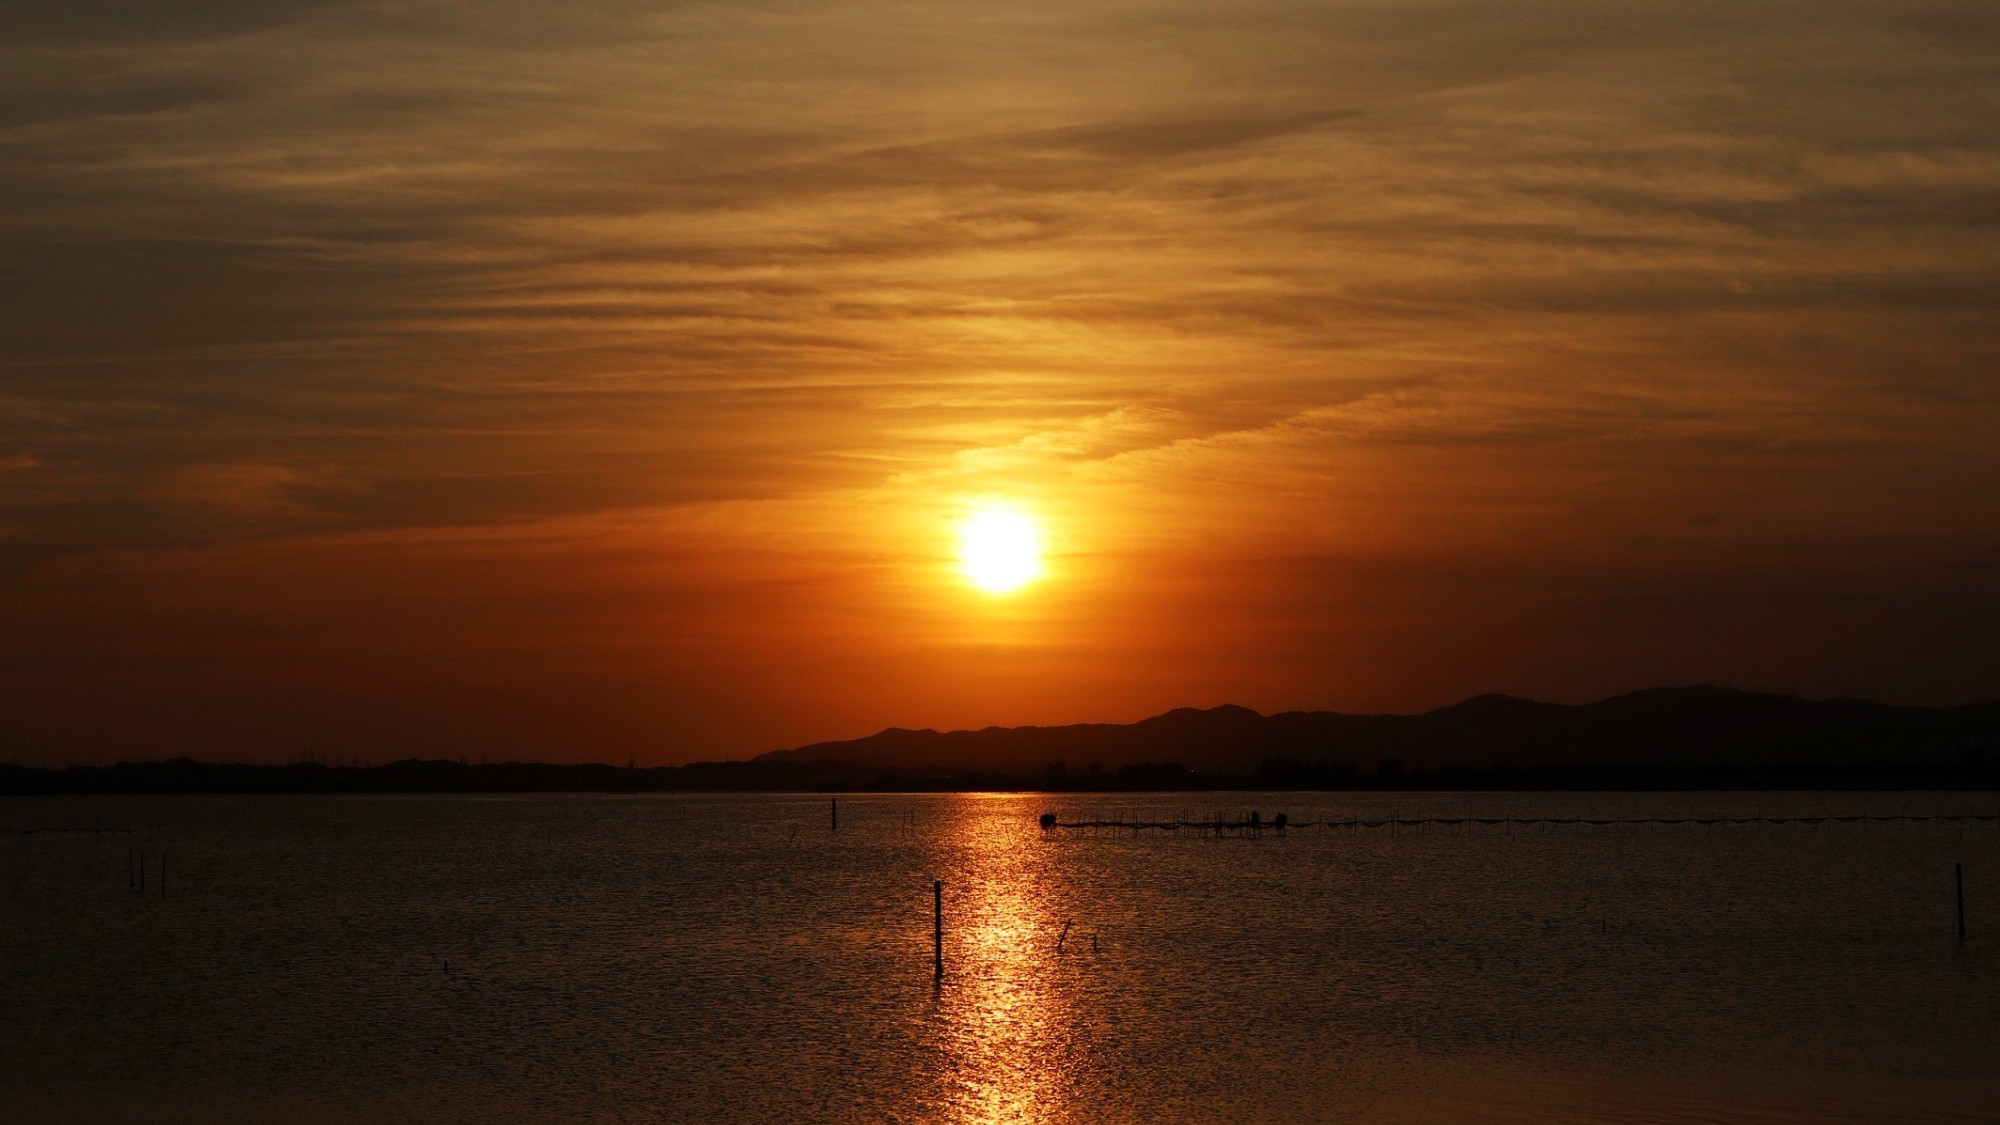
937,928
836,815
163,874
142,871
1958,877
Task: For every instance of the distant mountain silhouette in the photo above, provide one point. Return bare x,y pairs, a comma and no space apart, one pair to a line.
1663,728
1666,738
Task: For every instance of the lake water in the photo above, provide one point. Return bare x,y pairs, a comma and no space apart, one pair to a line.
729,958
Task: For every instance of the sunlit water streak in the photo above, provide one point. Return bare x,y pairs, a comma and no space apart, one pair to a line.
730,958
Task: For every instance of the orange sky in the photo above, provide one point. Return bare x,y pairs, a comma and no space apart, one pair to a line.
605,380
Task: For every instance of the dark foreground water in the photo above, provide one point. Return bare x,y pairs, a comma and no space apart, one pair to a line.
730,959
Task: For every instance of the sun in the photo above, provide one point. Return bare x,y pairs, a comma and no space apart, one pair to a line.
999,549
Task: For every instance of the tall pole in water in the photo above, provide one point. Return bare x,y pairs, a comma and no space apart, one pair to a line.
1959,877
937,929
836,815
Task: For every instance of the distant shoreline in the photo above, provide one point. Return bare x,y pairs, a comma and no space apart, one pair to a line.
187,777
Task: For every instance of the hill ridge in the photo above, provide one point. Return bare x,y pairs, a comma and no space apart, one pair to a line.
1692,725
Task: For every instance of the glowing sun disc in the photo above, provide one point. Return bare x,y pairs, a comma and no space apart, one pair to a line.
999,550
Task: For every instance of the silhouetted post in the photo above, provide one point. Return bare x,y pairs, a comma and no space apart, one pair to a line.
836,815
142,871
1958,877
937,929
1064,937
163,874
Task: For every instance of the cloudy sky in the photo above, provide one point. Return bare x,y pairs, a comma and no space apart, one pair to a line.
607,380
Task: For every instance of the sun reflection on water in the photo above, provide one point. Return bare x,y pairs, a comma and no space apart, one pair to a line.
1007,1019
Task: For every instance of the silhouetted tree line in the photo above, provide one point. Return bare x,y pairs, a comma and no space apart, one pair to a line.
182,775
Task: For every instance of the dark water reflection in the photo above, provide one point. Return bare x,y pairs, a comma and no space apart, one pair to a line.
714,959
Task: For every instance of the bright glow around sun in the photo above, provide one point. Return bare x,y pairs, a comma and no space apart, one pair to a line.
999,549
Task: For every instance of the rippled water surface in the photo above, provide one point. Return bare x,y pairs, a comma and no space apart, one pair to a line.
730,958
